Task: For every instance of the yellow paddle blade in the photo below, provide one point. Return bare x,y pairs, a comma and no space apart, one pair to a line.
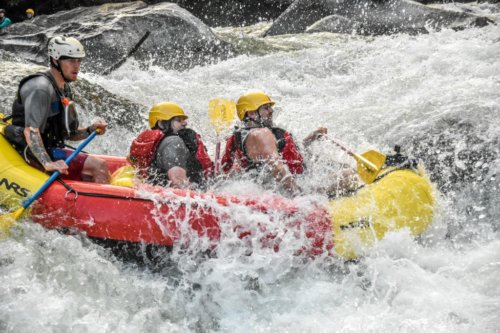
8,220
369,165
221,113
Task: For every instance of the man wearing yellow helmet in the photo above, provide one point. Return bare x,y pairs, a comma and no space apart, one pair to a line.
44,116
30,13
169,153
259,142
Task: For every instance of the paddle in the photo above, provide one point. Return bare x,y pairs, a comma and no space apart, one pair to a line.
221,114
120,62
369,163
8,220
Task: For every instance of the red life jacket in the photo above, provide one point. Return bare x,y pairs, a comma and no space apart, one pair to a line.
235,150
143,152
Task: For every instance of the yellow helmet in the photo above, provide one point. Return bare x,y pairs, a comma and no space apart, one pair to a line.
251,102
164,111
30,11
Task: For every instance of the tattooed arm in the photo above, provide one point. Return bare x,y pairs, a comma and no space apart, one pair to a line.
35,144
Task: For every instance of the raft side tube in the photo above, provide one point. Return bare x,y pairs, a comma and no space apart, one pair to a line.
18,180
400,199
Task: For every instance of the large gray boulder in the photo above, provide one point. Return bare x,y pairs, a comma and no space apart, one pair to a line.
177,39
218,13
369,17
461,1
214,12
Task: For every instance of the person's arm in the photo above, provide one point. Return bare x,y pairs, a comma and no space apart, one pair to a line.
5,23
37,106
35,144
172,155
315,135
99,125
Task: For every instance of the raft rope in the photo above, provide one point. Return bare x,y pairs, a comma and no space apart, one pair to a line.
354,191
6,119
391,171
98,195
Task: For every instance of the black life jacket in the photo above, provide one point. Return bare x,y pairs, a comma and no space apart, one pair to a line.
55,131
194,168
400,161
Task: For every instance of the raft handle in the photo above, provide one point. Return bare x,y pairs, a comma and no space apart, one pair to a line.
66,196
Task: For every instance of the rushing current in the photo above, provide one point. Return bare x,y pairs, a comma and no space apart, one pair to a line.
435,95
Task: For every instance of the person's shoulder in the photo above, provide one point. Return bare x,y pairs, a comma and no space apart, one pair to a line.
231,137
188,132
38,82
279,131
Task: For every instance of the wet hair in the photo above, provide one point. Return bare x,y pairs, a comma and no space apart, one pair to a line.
167,124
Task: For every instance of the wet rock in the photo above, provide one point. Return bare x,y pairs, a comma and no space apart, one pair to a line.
463,163
177,39
300,15
95,100
369,17
454,154
336,23
460,1
213,12
218,13
16,9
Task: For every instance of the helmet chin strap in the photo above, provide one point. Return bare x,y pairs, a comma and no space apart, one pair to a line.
255,123
56,65
259,119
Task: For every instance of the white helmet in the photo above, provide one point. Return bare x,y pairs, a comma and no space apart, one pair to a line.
65,47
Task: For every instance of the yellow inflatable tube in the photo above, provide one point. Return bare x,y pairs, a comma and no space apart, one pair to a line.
18,180
124,176
399,199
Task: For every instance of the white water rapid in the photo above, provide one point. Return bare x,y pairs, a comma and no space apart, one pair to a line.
436,95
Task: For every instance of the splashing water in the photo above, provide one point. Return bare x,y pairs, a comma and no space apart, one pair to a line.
437,95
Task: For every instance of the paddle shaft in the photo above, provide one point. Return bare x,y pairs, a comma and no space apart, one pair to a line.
120,62
56,174
221,114
369,164
217,156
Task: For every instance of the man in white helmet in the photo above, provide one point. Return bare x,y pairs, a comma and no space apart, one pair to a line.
43,116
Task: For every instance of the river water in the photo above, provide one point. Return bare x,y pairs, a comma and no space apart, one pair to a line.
436,95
